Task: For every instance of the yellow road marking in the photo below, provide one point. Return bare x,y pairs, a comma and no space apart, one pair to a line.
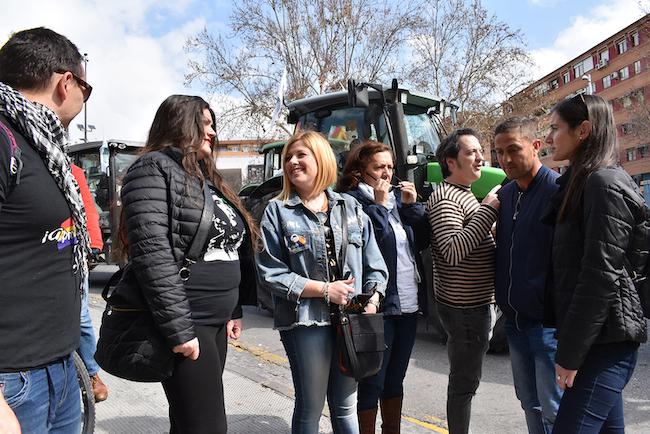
428,425
279,360
260,353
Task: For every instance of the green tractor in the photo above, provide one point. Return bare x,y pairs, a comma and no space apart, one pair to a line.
105,163
410,122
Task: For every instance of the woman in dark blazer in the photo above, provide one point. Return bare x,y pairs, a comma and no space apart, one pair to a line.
402,231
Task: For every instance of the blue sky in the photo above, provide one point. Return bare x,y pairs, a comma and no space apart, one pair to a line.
137,57
539,20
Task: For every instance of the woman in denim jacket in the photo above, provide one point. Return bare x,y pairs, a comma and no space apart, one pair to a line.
300,265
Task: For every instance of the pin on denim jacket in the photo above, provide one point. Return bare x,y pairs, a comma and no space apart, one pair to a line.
294,251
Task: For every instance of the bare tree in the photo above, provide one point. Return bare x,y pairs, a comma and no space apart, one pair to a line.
321,43
467,56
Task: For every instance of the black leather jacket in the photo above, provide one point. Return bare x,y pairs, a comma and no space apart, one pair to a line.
593,296
163,207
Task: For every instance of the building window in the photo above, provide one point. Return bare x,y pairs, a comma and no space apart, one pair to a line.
566,77
624,73
642,151
585,66
635,39
621,46
554,84
607,81
637,67
604,57
630,155
578,70
542,89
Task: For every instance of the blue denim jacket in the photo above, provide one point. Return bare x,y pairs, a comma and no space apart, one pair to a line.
294,251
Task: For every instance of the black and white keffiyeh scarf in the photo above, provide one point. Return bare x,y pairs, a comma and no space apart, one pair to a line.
44,132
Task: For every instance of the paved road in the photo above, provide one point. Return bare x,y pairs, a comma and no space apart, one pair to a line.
259,389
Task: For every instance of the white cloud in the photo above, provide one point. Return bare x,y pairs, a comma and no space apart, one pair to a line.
130,70
586,30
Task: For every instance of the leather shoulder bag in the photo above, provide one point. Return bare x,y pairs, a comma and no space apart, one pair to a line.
360,339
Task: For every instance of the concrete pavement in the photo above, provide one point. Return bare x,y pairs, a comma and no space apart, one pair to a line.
258,396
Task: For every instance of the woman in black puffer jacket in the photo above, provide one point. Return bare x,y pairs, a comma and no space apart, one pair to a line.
163,200
597,310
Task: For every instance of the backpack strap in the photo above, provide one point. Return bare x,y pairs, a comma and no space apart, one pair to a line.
16,163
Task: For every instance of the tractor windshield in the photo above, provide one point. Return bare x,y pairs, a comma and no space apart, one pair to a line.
123,160
351,125
421,134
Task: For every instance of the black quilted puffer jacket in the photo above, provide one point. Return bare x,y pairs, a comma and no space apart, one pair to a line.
163,207
592,295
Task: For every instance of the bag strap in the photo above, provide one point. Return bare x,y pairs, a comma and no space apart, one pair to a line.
16,163
346,331
344,235
201,235
193,252
112,283
338,313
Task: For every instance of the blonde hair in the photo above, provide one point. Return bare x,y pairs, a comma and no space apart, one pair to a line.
323,154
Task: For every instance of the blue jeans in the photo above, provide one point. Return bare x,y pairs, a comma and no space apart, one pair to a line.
315,372
595,402
468,332
45,400
87,342
532,355
399,332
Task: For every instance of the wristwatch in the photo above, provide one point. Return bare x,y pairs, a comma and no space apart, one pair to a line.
374,303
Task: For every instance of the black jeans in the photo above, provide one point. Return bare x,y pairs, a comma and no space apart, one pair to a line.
468,333
195,389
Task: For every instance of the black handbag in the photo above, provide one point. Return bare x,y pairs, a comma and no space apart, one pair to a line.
130,346
360,339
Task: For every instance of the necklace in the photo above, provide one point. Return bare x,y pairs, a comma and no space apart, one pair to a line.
317,204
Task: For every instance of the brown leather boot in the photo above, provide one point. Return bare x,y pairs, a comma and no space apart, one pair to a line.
391,415
100,390
367,421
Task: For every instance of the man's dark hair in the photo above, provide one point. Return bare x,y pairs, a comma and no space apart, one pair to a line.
30,57
527,127
449,148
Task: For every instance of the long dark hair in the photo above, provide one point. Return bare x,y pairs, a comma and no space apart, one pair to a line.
598,150
179,123
356,163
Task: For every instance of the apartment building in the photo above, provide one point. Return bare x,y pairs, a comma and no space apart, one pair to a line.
615,69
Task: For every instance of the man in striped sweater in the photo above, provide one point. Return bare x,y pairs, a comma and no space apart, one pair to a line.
463,254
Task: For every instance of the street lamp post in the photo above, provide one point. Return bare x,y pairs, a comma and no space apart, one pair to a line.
590,89
86,103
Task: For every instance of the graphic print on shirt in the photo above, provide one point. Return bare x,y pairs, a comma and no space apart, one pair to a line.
65,235
229,236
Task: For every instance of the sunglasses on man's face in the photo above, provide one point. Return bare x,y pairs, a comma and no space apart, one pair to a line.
86,89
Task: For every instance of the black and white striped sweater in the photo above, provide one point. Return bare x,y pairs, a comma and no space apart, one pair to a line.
462,246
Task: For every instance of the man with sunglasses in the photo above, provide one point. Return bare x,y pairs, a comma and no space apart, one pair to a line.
43,237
